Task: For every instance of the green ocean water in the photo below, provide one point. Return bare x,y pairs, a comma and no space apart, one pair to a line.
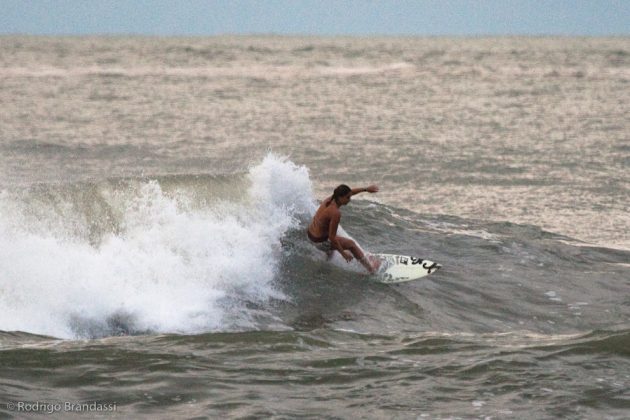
154,194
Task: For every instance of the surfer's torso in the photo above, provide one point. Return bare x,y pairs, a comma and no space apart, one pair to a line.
318,230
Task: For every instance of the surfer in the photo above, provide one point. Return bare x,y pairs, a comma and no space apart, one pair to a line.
323,228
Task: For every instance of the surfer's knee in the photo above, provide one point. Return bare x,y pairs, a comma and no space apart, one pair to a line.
346,243
351,246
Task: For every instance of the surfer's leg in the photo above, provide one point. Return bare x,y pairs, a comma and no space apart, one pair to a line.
350,245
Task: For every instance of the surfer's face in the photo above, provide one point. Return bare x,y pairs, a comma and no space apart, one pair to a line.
345,199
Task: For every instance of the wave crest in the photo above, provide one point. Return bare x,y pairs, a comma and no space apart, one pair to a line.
167,261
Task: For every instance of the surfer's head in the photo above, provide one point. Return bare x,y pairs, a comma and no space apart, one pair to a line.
341,195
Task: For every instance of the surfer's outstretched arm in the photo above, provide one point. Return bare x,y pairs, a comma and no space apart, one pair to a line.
370,189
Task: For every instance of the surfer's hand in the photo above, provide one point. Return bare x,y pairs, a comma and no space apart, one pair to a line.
372,188
347,256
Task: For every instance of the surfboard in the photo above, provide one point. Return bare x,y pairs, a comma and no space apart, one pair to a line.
402,268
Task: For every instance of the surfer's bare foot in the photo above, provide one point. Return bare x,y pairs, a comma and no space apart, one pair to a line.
375,262
377,265
371,263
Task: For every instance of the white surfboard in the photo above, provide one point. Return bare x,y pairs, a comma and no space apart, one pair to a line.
401,268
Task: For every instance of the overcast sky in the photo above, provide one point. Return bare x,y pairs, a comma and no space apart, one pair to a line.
316,17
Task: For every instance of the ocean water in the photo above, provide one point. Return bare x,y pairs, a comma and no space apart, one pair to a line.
154,195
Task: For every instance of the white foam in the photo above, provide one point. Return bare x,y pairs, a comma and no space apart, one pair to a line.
553,296
169,269
350,71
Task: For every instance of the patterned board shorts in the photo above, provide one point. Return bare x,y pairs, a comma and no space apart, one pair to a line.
325,246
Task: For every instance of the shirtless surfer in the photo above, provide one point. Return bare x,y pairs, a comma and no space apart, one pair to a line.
326,221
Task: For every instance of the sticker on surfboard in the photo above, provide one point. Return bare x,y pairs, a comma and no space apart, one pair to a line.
401,268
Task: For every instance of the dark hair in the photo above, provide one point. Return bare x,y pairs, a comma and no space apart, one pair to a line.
340,191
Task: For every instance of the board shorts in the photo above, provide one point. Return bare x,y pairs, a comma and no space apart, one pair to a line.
323,244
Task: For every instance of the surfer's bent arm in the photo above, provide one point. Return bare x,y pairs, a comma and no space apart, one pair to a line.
332,233
370,189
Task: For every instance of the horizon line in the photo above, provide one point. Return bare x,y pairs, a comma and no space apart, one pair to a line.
309,35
